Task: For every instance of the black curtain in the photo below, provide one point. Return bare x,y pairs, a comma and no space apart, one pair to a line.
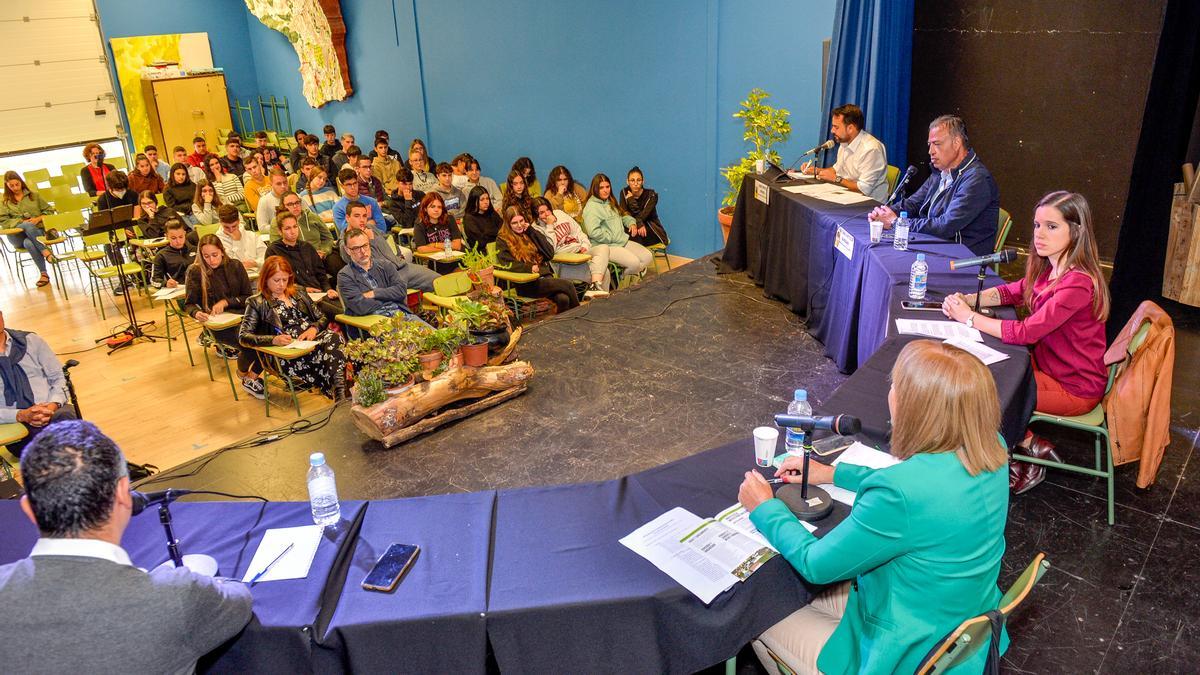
1167,129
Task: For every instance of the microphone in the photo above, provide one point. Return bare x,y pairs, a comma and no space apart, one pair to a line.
908,174
824,146
1000,257
144,500
842,425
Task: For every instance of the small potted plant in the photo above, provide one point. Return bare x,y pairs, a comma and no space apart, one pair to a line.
479,264
388,355
486,320
369,389
765,127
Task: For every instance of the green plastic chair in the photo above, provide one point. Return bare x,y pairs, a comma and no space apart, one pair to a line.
659,250
66,181
1002,229
119,163
72,171
892,177
272,358
75,202
1095,422
35,178
974,633
202,230
93,254
56,194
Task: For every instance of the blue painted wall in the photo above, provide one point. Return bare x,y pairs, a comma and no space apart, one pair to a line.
597,87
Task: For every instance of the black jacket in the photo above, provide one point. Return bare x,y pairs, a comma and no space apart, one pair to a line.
644,210
403,210
481,230
544,248
180,196
228,282
106,200
171,263
261,322
307,265
89,185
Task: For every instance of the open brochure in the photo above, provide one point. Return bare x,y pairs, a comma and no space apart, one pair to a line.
705,555
861,455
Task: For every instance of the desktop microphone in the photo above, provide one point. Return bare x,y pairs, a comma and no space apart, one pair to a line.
842,425
1000,257
908,174
143,500
824,146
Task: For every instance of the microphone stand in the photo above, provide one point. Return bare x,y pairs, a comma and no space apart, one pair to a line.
164,516
806,502
979,290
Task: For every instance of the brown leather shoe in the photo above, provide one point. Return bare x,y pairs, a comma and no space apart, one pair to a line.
1028,478
1043,449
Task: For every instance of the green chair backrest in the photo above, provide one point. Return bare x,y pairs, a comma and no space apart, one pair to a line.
893,176
35,177
202,230
1002,229
68,181
118,163
63,221
455,283
101,238
74,202
160,198
56,193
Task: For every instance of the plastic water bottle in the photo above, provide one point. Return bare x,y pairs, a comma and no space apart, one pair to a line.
446,246
918,278
793,441
322,491
900,243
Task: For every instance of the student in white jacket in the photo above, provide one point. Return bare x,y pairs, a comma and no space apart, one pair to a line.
567,237
241,245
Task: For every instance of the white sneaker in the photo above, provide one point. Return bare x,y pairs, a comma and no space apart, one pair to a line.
594,291
254,387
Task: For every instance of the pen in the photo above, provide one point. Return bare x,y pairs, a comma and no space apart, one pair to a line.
264,570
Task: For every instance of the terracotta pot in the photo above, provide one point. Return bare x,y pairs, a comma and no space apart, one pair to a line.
456,361
725,218
497,339
484,278
429,363
392,391
475,355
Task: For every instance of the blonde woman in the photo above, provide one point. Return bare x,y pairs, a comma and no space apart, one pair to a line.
921,548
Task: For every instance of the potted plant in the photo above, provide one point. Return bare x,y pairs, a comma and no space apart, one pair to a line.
368,389
765,128
479,265
388,356
486,320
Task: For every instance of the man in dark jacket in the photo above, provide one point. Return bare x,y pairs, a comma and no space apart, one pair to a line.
959,201
306,264
370,286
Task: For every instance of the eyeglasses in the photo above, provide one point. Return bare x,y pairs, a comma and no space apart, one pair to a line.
291,203
360,247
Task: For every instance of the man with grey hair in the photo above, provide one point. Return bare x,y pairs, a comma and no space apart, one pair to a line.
959,201
77,603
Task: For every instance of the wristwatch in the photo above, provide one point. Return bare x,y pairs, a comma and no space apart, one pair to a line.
838,179
971,320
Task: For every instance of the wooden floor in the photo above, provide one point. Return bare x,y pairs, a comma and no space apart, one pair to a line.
157,407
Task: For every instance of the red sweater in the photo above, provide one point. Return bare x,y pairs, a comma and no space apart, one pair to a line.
1067,338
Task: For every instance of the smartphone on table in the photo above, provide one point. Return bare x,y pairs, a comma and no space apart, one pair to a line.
390,567
933,306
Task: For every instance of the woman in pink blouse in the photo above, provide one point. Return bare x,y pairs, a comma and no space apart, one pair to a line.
1068,301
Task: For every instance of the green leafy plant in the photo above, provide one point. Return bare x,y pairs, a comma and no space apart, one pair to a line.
446,340
474,259
765,128
390,353
369,389
474,315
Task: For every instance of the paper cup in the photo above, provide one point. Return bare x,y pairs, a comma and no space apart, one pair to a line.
759,166
765,439
876,231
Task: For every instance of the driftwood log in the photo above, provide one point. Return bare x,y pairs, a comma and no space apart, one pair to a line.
404,415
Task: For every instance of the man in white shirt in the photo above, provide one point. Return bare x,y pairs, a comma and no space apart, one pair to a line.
77,603
861,161
246,247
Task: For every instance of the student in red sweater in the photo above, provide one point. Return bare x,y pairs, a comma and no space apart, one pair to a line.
1068,301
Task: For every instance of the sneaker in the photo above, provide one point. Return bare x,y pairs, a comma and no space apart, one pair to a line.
594,291
254,387
206,340
226,352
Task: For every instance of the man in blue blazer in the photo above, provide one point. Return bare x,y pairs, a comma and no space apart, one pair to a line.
959,201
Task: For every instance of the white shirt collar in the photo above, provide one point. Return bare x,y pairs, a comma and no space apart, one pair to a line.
83,548
854,145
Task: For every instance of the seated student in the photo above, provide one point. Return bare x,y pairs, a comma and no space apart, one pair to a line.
567,237
272,160
349,179
232,160
1064,290
318,196
516,195
331,146
564,193
312,229
369,286
313,152
299,180
307,264
35,390
24,210
280,313
199,152
254,181
117,193
404,204
228,186
159,167
414,276
144,178
454,199
434,227
475,177
180,192
384,166
481,222
94,173
642,203
423,176
270,201
245,247
524,249
171,262
418,145
195,173
153,220
605,224
262,141
524,167
297,152
216,284
79,582
342,156
368,184
922,547
205,204
459,165
383,134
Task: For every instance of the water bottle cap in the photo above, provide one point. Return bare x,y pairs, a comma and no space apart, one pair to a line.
316,459
801,395
904,214
920,257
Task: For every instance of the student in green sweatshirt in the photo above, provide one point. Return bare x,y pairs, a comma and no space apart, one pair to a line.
605,224
920,552
23,210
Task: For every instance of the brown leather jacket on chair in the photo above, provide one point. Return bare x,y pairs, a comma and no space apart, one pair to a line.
1139,406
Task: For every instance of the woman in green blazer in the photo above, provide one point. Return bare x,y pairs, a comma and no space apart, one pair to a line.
921,549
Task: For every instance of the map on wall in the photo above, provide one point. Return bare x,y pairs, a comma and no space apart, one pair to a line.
318,34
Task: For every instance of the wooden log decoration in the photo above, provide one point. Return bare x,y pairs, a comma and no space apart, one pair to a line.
389,421
1181,272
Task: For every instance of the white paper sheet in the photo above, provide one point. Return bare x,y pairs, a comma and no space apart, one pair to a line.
316,296
860,455
978,350
169,293
295,563
658,542
302,344
224,317
937,329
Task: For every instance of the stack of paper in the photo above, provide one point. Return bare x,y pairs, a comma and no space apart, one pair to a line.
860,455
295,561
829,192
169,293
937,329
980,351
